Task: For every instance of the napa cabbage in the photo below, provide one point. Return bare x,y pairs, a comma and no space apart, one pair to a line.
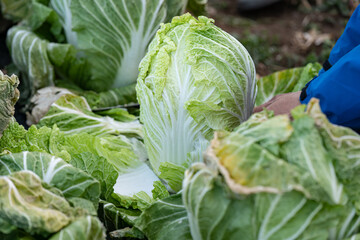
195,79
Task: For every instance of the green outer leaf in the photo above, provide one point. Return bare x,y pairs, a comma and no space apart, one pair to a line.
73,115
72,181
165,219
215,212
173,174
354,237
62,8
115,217
85,228
67,63
194,78
305,149
118,114
29,54
6,228
44,21
27,204
117,96
127,233
344,145
278,156
15,10
110,98
289,80
99,168
286,183
114,36
9,95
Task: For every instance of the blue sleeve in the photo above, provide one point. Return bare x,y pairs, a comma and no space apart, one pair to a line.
338,90
349,39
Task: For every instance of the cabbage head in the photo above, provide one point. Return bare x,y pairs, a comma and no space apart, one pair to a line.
195,78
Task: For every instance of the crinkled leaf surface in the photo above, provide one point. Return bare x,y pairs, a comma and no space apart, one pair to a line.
85,228
9,95
16,139
215,212
275,179
99,168
195,78
136,184
278,156
54,171
28,205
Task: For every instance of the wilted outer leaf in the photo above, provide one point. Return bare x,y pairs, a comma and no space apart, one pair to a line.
344,145
72,181
195,78
85,228
215,212
252,186
42,101
72,115
9,95
27,204
277,156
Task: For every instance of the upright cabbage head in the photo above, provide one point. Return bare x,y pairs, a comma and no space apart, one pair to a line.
195,78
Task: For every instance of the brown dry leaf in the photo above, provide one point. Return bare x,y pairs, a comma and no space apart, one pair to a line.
304,40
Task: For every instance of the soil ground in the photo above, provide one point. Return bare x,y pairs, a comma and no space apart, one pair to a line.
283,35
